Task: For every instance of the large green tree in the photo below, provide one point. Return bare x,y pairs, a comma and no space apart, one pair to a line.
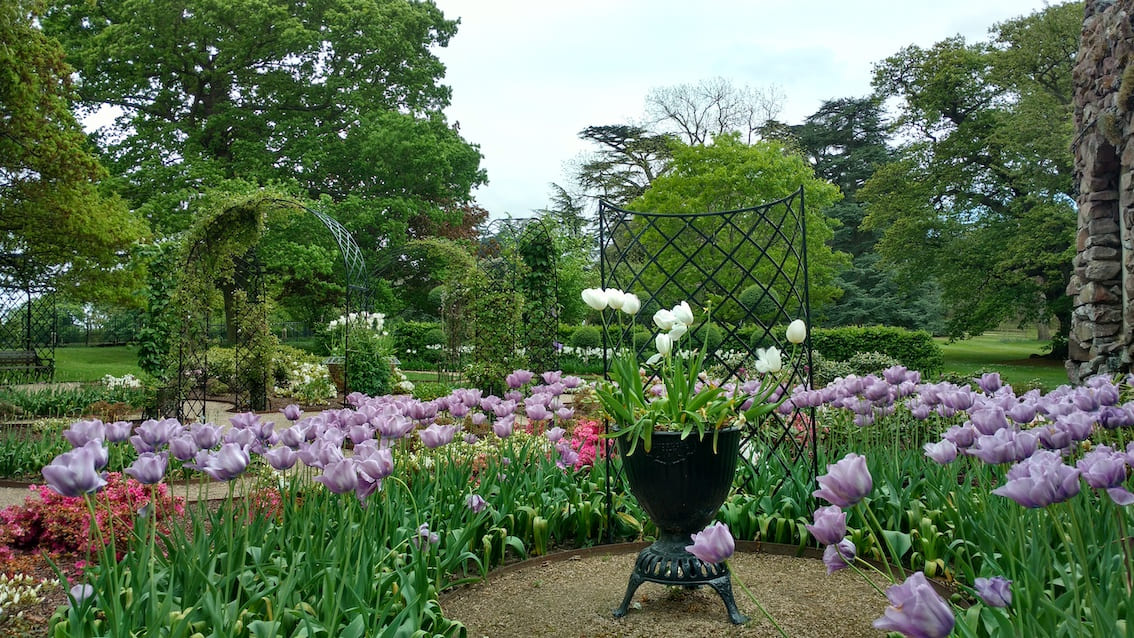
54,218
728,175
980,197
340,97
846,140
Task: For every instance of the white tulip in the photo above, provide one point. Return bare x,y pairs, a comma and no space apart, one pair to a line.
769,360
683,313
595,298
614,298
797,332
664,319
631,304
677,331
664,344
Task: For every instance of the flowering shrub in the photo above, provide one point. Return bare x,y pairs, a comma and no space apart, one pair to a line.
62,523
309,383
587,442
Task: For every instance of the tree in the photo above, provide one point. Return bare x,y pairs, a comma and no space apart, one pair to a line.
341,97
629,159
845,140
697,113
729,175
55,221
980,196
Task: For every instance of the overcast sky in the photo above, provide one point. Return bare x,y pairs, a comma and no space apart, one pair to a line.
528,75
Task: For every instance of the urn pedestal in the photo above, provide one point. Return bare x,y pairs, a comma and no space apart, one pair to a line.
681,485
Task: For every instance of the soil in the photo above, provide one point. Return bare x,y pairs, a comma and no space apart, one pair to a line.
572,595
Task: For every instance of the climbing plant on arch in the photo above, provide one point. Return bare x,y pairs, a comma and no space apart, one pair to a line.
221,272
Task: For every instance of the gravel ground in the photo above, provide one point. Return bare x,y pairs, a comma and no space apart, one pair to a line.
572,596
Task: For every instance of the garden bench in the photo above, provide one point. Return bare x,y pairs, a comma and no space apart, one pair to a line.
26,361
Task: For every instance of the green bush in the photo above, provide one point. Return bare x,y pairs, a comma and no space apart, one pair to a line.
703,331
915,350
587,337
415,344
369,370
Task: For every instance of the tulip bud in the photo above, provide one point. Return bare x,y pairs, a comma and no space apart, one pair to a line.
683,313
631,304
614,298
664,344
797,332
595,298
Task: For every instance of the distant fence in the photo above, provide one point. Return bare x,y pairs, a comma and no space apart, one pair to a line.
120,333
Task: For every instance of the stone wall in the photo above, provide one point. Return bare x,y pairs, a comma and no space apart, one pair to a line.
1102,282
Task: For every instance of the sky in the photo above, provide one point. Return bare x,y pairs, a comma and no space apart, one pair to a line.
528,75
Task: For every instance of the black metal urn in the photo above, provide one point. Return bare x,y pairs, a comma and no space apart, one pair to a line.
681,483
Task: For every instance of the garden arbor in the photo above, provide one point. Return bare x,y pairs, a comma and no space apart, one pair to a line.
512,301
222,269
27,321
750,267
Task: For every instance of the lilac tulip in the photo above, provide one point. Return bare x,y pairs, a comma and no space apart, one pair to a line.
568,456
1005,446
377,465
555,434
79,594
479,419
916,610
81,432
963,436
1105,469
281,458
425,536
149,468
435,435
830,525
989,382
244,420
943,452
183,447
839,555
73,473
1022,413
995,591
118,431
988,419
1040,480
158,433
519,378
714,544
572,382
537,412
1053,437
503,408
1112,417
359,433
845,482
564,413
206,435
552,376
515,396
292,412
503,427
340,477
100,456
476,503
459,410
471,438
227,463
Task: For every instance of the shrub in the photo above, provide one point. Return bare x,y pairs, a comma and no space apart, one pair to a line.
711,331
914,349
587,337
370,368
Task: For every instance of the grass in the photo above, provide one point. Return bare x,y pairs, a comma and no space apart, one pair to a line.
83,363
1010,355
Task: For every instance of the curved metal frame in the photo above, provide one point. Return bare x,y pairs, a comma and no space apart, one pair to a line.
28,320
186,396
705,254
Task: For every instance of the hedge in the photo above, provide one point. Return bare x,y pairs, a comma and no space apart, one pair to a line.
914,349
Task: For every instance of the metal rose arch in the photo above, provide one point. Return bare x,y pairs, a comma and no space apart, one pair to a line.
750,267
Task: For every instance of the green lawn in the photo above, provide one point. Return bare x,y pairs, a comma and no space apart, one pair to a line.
1010,355
82,363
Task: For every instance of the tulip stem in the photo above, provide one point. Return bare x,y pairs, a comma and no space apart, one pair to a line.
870,517
752,596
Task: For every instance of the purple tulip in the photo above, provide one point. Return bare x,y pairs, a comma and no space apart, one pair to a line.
426,536
830,525
989,382
1022,413
244,420
227,463
845,482
376,466
503,427
479,419
714,544
995,591
1112,416
839,555
155,434
471,438
572,382
183,447
503,408
149,468
281,458
340,477
564,413
206,435
916,610
1005,446
80,594
359,433
988,419
963,436
73,473
1105,469
435,435
537,412
1040,480
515,396
291,412
552,376
476,503
942,452
118,431
519,378
568,456
100,456
81,432
459,410
555,433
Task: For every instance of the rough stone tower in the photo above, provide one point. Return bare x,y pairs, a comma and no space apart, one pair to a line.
1102,282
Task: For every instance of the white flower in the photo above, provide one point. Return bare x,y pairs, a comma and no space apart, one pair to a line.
663,343
768,360
664,319
595,298
677,331
797,331
683,313
614,298
631,304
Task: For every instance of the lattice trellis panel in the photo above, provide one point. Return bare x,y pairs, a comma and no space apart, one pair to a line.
749,267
